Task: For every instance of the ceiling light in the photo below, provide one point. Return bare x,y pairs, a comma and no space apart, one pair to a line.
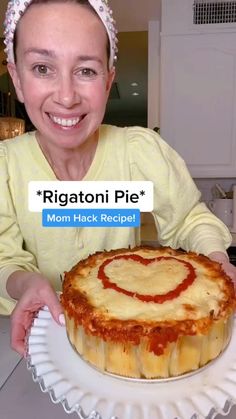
134,84
135,94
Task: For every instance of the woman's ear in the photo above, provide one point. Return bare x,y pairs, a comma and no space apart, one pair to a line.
110,79
16,81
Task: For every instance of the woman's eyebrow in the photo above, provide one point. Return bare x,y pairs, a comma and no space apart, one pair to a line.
52,54
40,51
89,58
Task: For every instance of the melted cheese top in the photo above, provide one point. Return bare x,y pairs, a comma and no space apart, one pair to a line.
158,277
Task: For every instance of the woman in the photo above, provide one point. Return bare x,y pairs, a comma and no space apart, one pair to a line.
61,60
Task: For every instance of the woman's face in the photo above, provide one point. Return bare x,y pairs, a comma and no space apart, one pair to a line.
61,73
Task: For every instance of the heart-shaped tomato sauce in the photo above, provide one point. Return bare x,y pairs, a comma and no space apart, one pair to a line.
157,298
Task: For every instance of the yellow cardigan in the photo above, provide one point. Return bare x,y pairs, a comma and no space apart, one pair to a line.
131,153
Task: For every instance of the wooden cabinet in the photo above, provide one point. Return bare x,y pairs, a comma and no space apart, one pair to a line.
198,97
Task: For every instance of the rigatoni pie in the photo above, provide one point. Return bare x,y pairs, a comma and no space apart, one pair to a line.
147,312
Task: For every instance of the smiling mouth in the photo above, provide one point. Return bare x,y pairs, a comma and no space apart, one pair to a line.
65,122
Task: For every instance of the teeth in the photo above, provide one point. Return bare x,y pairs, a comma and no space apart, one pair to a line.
65,122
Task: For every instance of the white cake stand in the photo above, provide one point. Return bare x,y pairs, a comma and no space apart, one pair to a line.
93,395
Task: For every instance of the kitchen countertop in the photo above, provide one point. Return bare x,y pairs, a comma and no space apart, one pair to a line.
20,397
9,359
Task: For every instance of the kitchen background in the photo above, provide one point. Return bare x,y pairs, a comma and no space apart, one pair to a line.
175,73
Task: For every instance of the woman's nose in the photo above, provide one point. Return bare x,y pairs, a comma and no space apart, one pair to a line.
65,93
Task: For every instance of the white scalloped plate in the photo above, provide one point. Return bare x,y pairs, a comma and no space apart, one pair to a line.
93,395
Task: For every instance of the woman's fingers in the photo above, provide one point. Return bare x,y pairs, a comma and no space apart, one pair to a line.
18,333
54,307
21,320
62,320
230,270
39,294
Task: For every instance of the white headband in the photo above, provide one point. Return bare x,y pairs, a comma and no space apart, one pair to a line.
16,9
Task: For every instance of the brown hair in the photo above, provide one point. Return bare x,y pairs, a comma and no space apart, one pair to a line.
81,2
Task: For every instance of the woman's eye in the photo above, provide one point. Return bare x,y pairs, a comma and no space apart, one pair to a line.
41,69
87,72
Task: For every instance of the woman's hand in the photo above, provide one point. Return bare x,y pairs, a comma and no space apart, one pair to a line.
34,292
223,259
